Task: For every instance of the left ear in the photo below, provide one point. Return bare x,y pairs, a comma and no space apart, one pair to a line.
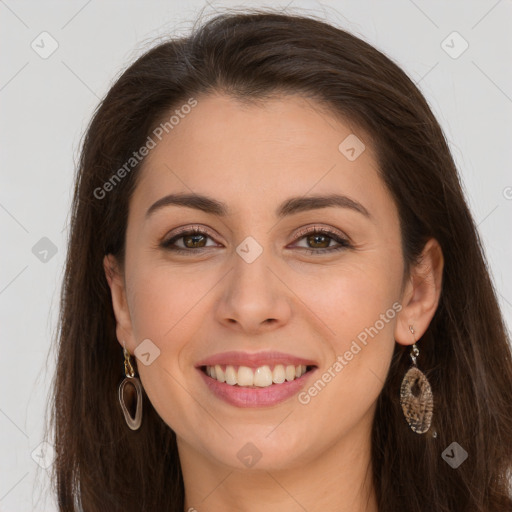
421,295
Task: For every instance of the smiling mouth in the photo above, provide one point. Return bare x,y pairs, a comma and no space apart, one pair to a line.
260,377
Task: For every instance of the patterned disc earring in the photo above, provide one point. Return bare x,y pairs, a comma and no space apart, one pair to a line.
416,396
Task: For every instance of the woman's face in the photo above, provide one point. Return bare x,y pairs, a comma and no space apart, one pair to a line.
274,269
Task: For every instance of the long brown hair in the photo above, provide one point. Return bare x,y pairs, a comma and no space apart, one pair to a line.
102,465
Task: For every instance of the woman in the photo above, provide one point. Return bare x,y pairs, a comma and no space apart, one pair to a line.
275,295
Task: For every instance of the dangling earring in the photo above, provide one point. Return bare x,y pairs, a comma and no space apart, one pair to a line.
416,396
132,422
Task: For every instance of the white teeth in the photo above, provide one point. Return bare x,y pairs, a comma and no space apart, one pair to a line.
290,373
219,374
279,375
262,376
231,377
245,376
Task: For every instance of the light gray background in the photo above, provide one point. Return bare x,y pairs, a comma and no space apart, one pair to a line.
46,104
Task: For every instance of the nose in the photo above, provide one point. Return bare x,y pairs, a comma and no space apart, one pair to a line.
252,297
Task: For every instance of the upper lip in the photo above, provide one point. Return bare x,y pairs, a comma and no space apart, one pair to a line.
255,359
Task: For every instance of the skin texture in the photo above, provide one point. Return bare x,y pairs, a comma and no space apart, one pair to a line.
195,305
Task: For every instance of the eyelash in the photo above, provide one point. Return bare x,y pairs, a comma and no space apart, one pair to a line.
344,243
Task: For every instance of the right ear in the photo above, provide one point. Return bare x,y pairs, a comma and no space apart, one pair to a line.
117,285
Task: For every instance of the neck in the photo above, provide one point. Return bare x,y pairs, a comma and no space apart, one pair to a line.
339,477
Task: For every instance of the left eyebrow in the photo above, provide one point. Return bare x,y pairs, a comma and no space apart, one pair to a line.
306,203
290,206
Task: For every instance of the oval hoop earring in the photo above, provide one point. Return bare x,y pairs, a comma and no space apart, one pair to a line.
416,396
132,381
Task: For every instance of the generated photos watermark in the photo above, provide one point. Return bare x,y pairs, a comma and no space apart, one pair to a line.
343,360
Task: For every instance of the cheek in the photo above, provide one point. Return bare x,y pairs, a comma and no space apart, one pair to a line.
162,298
362,346
360,310
356,298
165,311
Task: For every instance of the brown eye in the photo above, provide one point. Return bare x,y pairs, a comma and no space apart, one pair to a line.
191,239
319,240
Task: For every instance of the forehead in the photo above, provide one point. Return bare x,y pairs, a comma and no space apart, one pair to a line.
248,155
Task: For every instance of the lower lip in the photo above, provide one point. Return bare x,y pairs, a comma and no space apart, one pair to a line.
256,397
